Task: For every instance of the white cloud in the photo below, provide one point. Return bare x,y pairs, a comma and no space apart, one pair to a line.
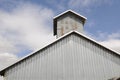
28,25
6,45
114,35
113,44
6,59
112,41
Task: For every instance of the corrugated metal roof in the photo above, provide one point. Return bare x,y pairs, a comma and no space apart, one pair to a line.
72,32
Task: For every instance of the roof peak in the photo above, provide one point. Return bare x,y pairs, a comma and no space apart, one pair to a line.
69,10
71,32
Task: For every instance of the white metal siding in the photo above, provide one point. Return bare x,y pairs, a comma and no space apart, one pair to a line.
72,58
68,23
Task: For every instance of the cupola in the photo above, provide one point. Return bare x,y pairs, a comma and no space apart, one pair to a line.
68,21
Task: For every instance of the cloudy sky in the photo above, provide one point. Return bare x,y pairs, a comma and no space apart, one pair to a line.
26,25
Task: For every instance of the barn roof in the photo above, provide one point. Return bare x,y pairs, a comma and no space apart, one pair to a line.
65,13
72,32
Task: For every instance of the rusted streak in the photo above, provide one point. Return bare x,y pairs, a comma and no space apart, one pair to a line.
62,31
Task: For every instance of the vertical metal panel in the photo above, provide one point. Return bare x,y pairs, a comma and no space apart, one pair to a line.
72,58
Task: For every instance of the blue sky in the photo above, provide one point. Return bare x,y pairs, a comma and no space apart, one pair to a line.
26,25
103,15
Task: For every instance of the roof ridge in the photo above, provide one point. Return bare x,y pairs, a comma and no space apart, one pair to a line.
70,11
76,32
